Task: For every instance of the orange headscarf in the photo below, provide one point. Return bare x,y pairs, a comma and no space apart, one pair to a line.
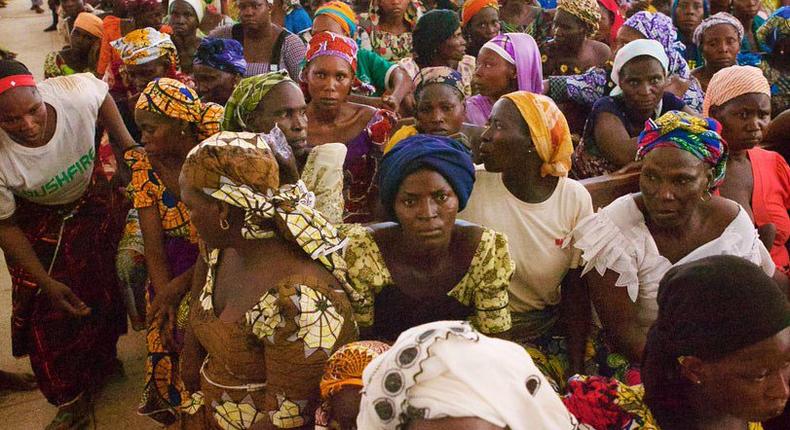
473,7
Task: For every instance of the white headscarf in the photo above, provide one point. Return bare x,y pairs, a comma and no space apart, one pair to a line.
447,369
637,48
197,5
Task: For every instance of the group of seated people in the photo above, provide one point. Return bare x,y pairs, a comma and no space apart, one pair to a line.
375,216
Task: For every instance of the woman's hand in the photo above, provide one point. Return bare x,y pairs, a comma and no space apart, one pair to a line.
284,154
163,312
64,299
677,86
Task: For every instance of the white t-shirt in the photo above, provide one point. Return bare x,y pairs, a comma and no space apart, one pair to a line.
535,232
60,171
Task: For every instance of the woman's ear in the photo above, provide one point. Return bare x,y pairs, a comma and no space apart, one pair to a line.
692,369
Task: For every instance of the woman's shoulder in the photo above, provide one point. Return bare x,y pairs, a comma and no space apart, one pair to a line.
724,212
223,32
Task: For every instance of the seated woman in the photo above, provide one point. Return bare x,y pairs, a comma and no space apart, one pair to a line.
509,62
611,21
718,38
520,16
262,331
635,240
267,46
172,120
480,22
218,67
739,97
185,16
747,12
610,138
524,192
329,77
438,41
687,16
774,37
700,341
447,379
386,30
572,50
426,265
83,53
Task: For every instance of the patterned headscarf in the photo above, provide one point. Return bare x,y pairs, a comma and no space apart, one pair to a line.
171,98
344,368
716,19
548,130
90,23
335,45
145,45
473,7
586,10
776,28
438,75
520,50
342,14
226,55
697,136
413,12
660,28
734,81
246,97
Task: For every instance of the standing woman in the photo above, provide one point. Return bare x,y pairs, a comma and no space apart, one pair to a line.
60,222
774,36
387,31
267,46
480,21
719,40
329,77
572,50
83,53
185,17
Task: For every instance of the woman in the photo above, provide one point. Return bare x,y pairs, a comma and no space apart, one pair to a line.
438,41
611,21
263,332
480,22
524,192
141,14
747,12
687,16
635,240
387,29
509,62
572,50
329,77
82,54
341,385
426,265
519,16
267,46
739,97
719,39
290,15
60,221
774,36
701,340
184,17
446,380
218,67
609,140
172,120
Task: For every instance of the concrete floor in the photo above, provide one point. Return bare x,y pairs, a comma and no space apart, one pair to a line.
21,32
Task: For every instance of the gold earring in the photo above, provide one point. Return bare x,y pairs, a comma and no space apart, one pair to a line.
703,198
223,224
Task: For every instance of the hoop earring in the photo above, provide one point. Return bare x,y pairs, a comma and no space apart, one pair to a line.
223,224
702,197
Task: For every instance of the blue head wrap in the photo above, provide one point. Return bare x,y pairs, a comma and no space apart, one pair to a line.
226,55
423,151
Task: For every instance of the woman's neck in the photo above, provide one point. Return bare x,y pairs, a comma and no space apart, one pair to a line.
263,31
707,418
390,21
746,21
439,62
253,252
186,42
527,184
325,116
686,38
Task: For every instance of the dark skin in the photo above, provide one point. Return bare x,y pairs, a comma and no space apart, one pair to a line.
465,423
440,110
778,58
778,130
720,46
449,53
344,407
83,52
688,15
142,74
603,34
31,123
494,76
259,32
214,85
72,8
391,18
185,23
717,6
506,147
480,29
571,47
518,12
680,217
745,11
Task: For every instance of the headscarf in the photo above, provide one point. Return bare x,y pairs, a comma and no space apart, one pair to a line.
197,6
716,19
171,98
617,20
431,31
438,75
90,23
442,154
731,82
330,44
697,136
633,49
548,130
660,28
342,13
586,10
145,45
226,55
520,50
473,7
414,11
776,28
246,97
344,368
447,369
14,74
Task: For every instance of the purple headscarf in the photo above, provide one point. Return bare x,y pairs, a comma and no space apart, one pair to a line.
659,27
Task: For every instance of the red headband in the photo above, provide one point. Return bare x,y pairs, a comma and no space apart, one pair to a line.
14,81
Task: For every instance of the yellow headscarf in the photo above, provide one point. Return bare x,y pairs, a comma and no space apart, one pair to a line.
548,129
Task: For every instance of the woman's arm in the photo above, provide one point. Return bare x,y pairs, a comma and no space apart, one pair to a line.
613,139
154,244
576,317
120,139
192,354
618,314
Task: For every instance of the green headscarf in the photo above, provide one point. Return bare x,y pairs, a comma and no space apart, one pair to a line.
246,97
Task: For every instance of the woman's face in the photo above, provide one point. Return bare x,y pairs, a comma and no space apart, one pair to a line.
673,182
344,407
82,41
744,120
393,7
604,25
165,140
329,81
326,23
688,15
254,14
717,6
625,35
204,213
494,76
745,8
214,85
425,207
183,18
289,112
569,31
720,46
148,18
484,26
142,74
72,8
440,110
505,143
23,115
642,80
454,48
467,423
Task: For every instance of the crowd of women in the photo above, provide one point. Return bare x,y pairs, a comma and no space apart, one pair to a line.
374,215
